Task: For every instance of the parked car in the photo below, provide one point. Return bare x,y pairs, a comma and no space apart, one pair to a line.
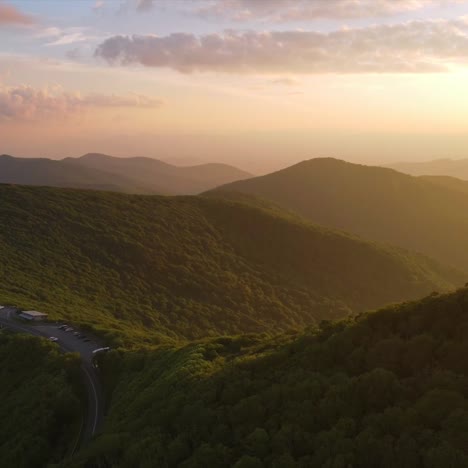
76,333
69,329
53,338
62,327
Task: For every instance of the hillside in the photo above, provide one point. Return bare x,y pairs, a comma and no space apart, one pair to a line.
448,182
142,269
128,175
40,406
388,389
438,167
375,203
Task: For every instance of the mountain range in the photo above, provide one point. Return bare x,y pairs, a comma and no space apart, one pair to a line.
144,269
241,333
375,203
129,175
439,167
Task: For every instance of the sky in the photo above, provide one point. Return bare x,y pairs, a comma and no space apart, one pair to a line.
260,84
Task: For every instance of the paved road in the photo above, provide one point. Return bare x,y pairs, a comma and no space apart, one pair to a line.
69,343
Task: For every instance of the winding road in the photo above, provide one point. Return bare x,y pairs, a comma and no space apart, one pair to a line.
69,343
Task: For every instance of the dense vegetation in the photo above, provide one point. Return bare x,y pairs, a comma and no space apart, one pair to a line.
40,409
387,389
128,175
140,269
373,202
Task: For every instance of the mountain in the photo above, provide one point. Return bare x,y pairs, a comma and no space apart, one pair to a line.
375,203
386,389
41,171
440,167
146,269
449,182
129,175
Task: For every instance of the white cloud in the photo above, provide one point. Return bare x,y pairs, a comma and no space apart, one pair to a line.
413,47
28,103
55,36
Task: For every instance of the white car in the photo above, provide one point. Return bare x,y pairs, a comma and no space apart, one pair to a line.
53,338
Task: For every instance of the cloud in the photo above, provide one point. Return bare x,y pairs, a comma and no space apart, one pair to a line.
413,47
9,15
301,10
144,5
28,103
65,36
99,5
293,10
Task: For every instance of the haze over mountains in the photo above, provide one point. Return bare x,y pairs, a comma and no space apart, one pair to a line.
375,203
130,175
439,167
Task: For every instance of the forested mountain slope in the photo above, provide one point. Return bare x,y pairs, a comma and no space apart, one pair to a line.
40,408
141,269
387,389
373,202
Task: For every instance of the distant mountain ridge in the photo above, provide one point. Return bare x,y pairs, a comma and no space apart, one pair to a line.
374,203
438,167
129,175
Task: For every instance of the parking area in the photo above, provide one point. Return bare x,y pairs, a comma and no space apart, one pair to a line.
72,340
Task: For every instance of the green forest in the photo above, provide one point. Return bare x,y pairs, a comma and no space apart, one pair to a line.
40,401
384,389
241,335
143,270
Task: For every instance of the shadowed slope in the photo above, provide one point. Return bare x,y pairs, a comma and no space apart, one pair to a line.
372,202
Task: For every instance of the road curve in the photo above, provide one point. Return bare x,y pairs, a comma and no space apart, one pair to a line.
67,343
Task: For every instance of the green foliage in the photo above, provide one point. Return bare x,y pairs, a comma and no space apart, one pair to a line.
40,409
145,270
386,389
427,216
